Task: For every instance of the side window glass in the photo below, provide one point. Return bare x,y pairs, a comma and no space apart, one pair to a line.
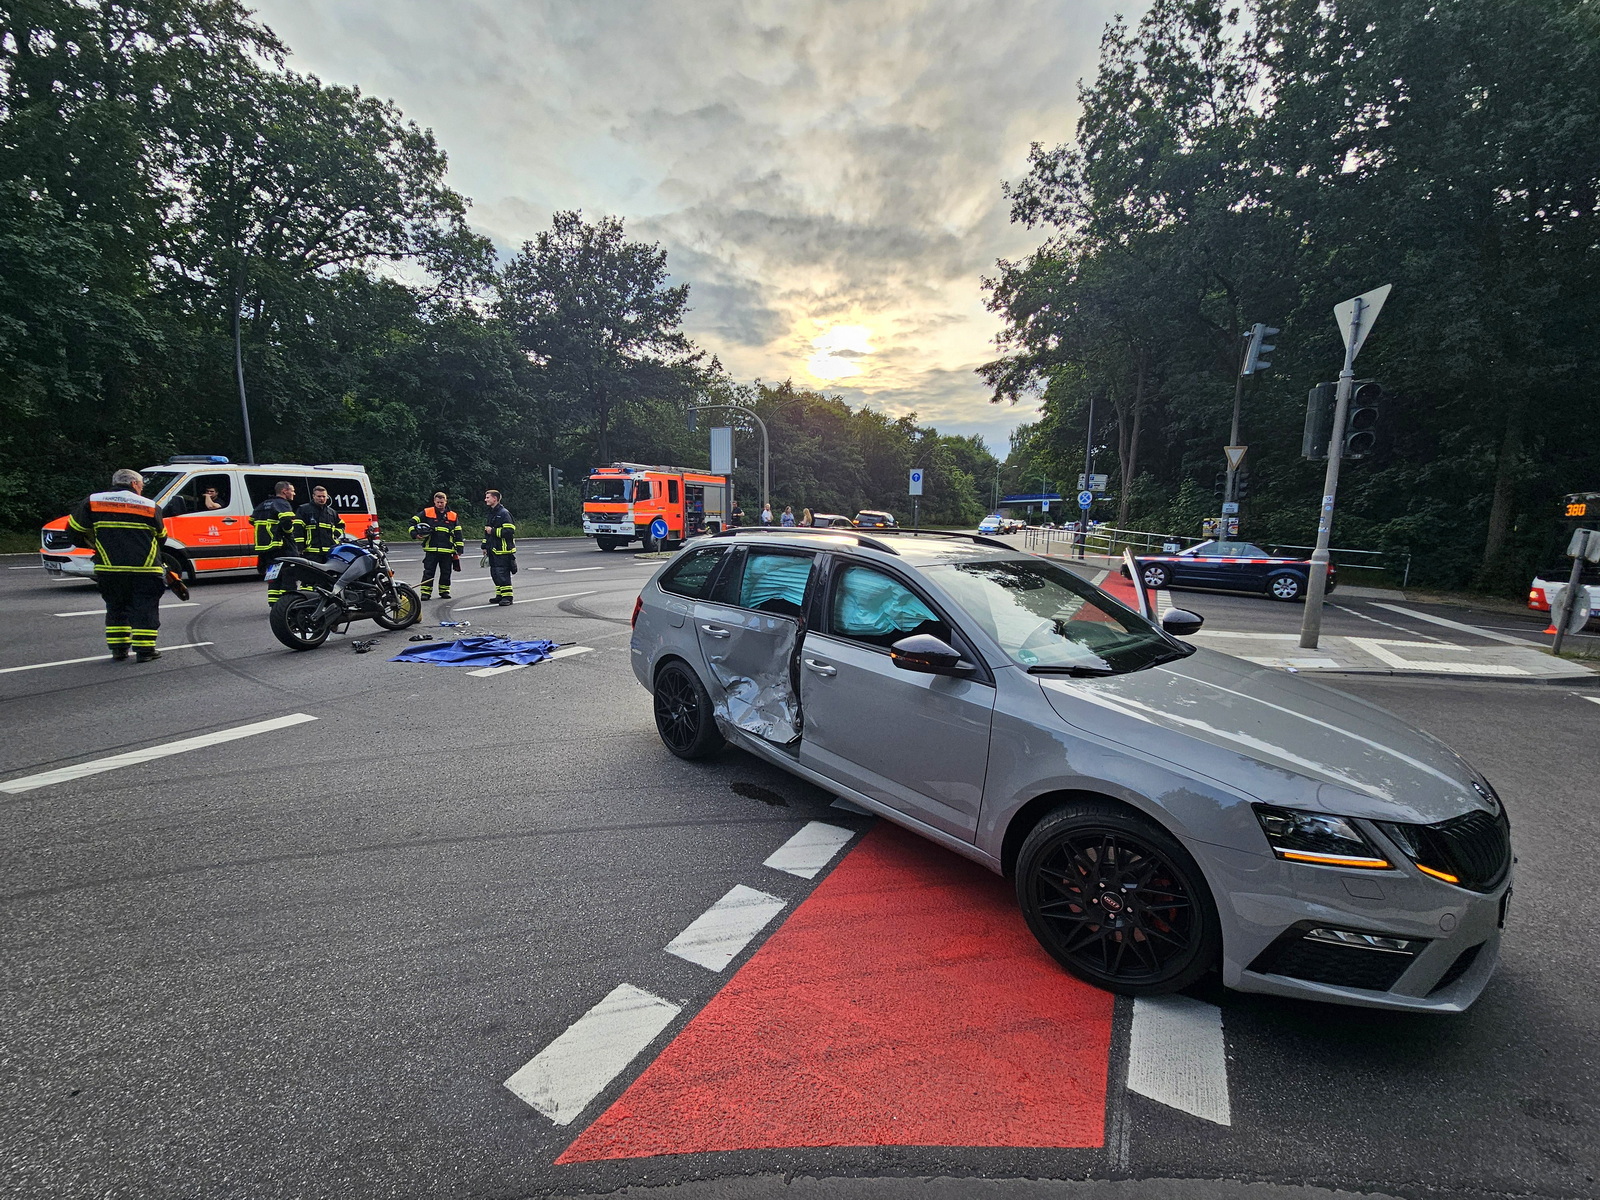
641,489
344,495
869,606
775,583
672,491
691,576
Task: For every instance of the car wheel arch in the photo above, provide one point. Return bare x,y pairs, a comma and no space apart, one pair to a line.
666,660
1035,810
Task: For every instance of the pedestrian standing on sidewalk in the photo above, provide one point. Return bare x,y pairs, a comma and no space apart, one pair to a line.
126,533
439,530
499,546
766,514
788,516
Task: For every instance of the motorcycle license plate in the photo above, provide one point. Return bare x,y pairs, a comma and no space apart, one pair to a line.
272,571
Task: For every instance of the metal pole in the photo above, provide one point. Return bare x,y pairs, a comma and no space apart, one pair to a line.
1568,599
1233,440
550,483
238,370
766,453
1088,468
1317,585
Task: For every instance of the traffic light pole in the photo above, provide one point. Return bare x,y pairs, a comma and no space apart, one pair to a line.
1317,585
550,480
1229,490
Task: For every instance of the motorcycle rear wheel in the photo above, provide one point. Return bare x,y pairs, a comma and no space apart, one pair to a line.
403,610
295,622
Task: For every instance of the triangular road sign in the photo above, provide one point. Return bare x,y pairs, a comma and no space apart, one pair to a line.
1371,305
1235,456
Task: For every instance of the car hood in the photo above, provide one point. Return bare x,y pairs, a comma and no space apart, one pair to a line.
1274,736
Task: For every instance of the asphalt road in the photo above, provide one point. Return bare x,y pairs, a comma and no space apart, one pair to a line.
302,963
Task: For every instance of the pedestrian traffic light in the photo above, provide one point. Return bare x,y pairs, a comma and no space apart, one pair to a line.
1361,426
1319,421
1253,360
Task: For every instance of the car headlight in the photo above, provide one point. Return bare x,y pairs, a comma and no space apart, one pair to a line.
1421,845
1309,837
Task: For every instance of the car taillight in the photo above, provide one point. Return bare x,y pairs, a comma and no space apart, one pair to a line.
633,622
1536,599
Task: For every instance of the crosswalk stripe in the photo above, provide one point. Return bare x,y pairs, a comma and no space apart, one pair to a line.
27,783
566,1075
715,937
1177,1056
808,851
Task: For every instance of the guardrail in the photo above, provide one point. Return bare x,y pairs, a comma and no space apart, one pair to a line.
1104,541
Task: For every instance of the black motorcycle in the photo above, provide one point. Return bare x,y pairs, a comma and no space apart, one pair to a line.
355,584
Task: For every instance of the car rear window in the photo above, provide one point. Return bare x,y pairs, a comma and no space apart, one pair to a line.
691,575
771,581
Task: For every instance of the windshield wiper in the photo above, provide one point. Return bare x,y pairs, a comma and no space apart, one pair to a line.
1077,672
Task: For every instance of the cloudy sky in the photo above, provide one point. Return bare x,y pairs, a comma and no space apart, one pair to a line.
824,175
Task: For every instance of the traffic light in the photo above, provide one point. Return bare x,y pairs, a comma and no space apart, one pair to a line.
694,419
557,478
1241,483
1220,488
1319,420
1253,360
1361,425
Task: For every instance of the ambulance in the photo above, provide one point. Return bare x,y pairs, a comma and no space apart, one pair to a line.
621,503
205,540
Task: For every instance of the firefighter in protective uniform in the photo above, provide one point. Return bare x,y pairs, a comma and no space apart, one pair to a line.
499,546
322,523
126,533
280,533
439,530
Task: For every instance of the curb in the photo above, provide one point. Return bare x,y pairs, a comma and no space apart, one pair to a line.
1592,679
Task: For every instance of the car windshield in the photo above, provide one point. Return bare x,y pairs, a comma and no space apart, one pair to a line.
158,483
1045,617
613,491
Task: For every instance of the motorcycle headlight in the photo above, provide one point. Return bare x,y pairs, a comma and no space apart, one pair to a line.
1308,837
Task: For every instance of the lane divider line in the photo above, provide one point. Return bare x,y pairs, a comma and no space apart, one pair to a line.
529,600
808,851
100,612
570,570
1593,699
714,938
1457,625
27,783
564,652
103,656
562,1079
1177,1056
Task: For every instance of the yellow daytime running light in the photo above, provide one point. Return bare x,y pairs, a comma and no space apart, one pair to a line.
1444,875
1336,860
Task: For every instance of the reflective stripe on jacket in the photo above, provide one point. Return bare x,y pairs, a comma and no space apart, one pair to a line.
124,530
279,529
444,534
499,534
322,525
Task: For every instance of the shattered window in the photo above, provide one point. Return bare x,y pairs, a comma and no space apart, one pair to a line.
870,606
690,574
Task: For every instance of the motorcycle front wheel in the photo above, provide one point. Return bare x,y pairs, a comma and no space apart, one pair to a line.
402,608
297,623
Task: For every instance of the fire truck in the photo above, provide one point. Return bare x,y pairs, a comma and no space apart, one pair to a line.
622,501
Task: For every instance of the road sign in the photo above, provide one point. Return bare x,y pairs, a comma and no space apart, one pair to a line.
722,450
1230,507
916,482
1096,483
1085,498
1345,315
658,529
1235,456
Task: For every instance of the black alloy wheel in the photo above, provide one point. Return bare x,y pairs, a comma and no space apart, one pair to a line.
1285,587
1153,576
683,713
1117,900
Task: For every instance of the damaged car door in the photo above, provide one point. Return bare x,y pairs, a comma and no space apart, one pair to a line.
748,630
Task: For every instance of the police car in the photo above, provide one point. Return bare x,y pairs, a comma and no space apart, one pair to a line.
1229,566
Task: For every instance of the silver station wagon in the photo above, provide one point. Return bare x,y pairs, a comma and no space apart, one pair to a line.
1164,810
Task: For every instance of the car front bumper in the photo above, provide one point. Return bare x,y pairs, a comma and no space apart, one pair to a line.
1268,906
67,564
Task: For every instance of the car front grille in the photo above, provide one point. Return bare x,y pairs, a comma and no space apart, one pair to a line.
1475,848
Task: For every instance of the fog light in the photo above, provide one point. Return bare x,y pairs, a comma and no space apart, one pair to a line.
1367,941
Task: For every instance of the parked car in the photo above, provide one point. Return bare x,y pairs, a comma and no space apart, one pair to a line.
872,518
1230,566
1163,810
831,521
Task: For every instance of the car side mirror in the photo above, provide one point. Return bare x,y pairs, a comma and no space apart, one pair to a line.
928,655
1180,622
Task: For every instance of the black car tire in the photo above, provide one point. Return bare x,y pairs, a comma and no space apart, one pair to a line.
1286,587
683,713
407,608
606,543
291,624
1153,902
1154,575
171,563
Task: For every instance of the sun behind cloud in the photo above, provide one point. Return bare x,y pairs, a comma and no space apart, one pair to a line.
837,352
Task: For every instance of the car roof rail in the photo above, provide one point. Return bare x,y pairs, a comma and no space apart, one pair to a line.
861,539
981,539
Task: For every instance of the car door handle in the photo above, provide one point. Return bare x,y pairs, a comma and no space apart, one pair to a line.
229,521
820,667
716,631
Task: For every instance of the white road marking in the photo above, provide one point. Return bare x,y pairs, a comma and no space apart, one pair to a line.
564,652
100,612
1376,648
1163,601
808,851
1458,625
1100,578
526,600
1386,624
1308,664
1232,633
715,937
103,656
570,570
27,783
1177,1056
1593,699
850,806
566,1075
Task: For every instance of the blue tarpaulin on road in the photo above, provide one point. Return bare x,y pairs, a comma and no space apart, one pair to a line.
479,652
